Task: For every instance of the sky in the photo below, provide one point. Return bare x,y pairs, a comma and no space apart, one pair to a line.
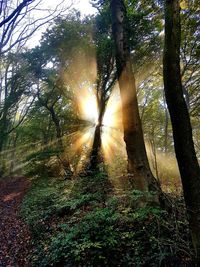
83,6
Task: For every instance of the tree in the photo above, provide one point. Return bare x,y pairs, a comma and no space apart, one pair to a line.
49,100
138,165
15,99
15,90
106,77
182,130
189,53
18,24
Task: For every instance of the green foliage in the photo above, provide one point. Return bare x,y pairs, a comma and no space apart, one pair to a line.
50,196
88,242
82,223
42,155
43,162
43,199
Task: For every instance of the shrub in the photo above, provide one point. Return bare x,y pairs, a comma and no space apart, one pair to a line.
82,223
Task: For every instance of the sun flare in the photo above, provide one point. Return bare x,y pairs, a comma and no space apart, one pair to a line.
87,105
112,140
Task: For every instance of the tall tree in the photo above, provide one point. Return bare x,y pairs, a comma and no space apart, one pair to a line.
182,130
138,166
49,100
190,54
106,77
14,90
18,22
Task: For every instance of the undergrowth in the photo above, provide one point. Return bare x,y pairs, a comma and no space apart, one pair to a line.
83,223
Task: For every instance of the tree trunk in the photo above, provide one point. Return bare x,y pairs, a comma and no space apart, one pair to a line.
63,157
182,131
96,147
3,141
56,122
3,131
166,128
138,165
13,159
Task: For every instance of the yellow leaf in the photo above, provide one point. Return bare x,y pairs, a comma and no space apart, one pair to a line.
183,4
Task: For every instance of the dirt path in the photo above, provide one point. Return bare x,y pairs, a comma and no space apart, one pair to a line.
14,235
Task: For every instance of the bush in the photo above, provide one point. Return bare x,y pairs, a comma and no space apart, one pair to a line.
43,163
82,223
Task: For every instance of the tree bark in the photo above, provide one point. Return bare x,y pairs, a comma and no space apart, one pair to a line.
3,141
62,157
3,131
138,165
13,159
182,130
56,122
55,119
166,128
96,147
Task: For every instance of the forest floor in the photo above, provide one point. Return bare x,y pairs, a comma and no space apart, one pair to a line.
46,221
14,237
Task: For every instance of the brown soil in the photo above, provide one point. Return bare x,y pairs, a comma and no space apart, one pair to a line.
14,234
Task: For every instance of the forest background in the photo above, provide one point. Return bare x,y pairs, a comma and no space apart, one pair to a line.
75,108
